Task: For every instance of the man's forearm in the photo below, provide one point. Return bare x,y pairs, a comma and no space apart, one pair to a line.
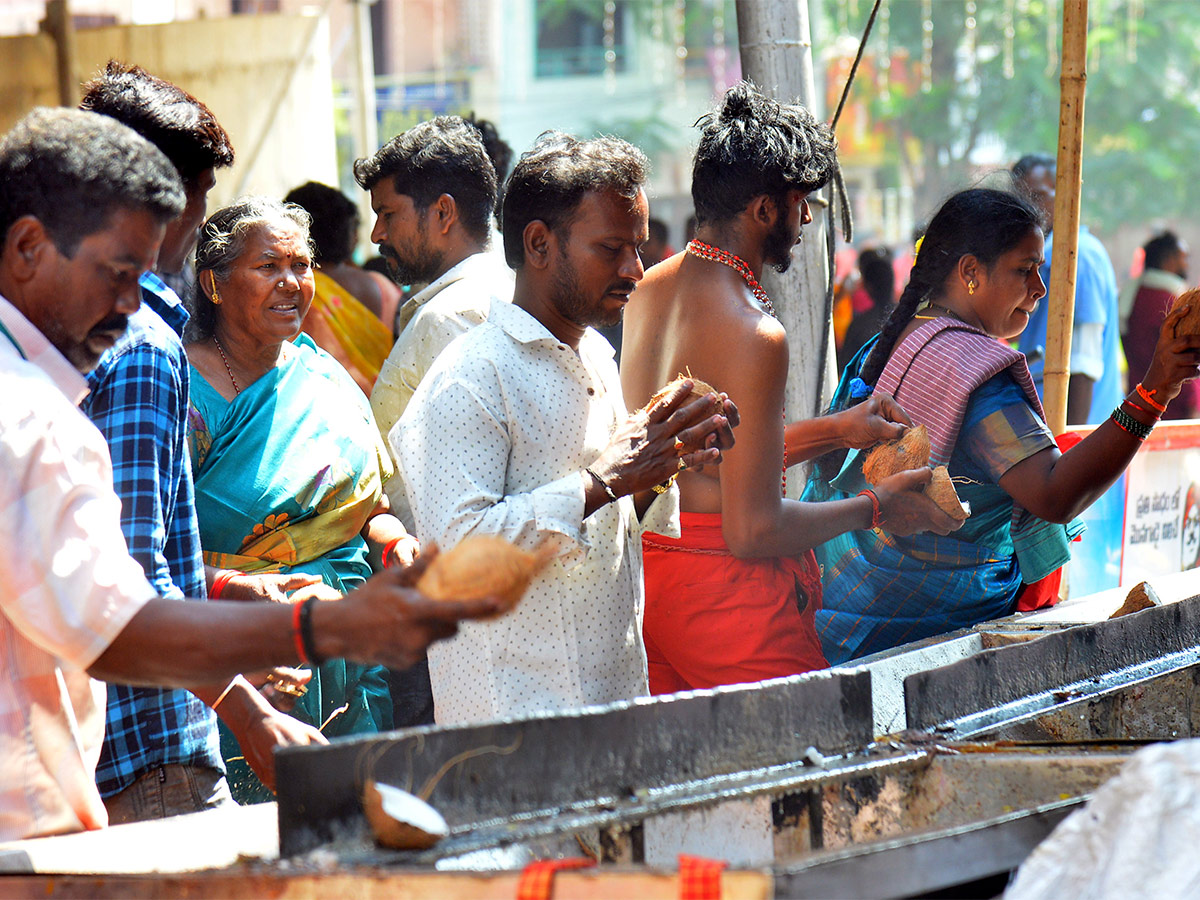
810,438
173,644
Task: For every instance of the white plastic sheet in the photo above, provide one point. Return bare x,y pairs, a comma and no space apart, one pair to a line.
1139,836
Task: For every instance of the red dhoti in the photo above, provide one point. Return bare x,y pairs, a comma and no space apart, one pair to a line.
713,619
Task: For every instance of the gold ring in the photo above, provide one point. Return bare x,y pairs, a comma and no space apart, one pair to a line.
678,446
682,466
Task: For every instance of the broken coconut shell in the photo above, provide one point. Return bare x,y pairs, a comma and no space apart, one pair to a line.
1190,323
401,820
1142,596
910,451
941,491
699,389
483,566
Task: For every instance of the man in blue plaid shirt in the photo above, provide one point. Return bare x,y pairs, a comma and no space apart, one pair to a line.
161,753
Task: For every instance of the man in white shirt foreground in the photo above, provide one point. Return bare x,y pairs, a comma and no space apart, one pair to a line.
83,205
519,429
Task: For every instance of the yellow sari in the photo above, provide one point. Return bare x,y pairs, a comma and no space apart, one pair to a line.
349,332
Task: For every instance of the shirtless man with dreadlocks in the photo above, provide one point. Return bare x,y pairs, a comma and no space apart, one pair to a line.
733,600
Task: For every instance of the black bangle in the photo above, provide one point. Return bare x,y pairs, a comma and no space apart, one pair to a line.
612,498
306,632
1126,422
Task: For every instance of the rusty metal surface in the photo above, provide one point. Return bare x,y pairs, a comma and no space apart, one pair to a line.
1159,708
994,685
510,771
916,864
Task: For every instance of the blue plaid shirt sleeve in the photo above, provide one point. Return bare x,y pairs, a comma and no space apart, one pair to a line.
137,401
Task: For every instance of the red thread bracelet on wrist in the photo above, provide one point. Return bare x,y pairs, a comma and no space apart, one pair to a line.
297,636
388,548
220,580
876,518
1148,396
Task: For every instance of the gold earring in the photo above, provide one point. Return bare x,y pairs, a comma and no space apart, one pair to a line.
970,287
216,298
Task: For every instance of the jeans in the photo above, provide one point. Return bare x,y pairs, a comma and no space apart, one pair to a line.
170,790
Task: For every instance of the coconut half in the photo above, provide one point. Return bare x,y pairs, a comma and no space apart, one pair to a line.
1190,323
909,451
699,389
484,566
941,491
401,820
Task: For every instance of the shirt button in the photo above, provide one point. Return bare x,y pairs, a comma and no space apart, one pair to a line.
591,392
562,346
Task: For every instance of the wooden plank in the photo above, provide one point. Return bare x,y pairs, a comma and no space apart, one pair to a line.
207,840
374,885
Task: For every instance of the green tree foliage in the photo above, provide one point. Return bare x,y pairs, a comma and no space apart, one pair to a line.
1142,113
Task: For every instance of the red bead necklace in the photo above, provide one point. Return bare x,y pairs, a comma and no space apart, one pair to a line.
739,265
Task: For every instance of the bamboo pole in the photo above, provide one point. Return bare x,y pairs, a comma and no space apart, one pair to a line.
61,27
1061,313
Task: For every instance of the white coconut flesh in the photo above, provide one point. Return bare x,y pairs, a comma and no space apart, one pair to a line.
400,819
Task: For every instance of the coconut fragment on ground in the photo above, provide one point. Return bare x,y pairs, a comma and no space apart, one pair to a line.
401,820
1141,596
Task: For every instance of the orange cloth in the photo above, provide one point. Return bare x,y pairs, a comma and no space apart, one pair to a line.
700,878
537,878
713,619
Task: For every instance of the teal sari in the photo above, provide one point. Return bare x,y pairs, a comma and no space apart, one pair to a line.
287,474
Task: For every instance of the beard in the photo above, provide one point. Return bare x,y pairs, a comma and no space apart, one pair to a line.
777,246
569,300
419,265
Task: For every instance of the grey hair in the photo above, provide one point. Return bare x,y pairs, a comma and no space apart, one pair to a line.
223,239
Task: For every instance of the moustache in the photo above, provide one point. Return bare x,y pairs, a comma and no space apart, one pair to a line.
622,287
388,253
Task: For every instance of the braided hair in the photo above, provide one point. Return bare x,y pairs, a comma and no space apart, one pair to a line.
982,222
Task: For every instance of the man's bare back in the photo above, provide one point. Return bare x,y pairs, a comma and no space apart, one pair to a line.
698,318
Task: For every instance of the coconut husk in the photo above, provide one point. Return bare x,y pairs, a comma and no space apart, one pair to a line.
483,566
699,389
941,491
910,451
401,820
1142,596
1190,323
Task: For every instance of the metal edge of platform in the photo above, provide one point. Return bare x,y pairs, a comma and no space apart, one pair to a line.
923,862
543,763
1002,676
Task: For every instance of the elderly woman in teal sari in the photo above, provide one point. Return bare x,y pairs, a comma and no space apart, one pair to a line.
287,459
943,355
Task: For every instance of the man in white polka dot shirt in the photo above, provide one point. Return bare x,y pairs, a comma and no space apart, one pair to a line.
520,430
